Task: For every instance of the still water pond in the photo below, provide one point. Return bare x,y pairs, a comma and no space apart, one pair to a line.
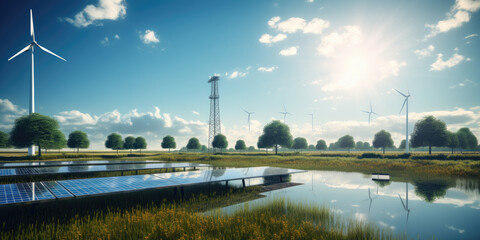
439,208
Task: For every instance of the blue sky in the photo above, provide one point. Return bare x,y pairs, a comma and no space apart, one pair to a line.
141,67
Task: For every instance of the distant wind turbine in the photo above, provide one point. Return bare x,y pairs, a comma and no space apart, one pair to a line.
249,113
284,113
311,114
31,149
370,113
406,117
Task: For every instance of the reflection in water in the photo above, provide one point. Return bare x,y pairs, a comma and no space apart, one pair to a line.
431,190
405,206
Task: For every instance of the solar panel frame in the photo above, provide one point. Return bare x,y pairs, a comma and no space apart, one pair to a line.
72,163
22,192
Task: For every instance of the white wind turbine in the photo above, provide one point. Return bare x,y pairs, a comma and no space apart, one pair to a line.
370,113
406,117
249,113
284,113
311,114
405,206
31,149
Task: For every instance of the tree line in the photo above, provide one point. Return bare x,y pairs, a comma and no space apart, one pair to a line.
40,130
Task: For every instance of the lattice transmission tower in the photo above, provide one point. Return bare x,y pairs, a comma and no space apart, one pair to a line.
214,122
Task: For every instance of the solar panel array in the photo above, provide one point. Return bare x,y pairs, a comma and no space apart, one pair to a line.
93,168
29,192
71,163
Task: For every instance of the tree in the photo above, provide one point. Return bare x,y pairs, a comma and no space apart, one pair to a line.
129,143
169,142
204,148
466,139
114,141
261,145
382,139
58,142
300,143
359,145
251,148
276,134
220,141
366,146
346,142
193,143
452,140
429,132
140,143
4,140
33,129
78,139
321,145
240,145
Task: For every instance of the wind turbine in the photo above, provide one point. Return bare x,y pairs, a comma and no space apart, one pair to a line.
284,113
249,113
406,118
311,114
405,206
370,113
31,149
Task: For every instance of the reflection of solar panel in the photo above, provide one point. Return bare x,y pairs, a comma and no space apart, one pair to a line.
71,163
22,192
93,168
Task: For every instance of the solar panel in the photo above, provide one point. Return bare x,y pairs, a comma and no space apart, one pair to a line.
94,168
23,192
71,163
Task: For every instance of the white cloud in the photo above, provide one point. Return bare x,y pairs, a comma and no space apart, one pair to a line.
349,35
459,230
310,1
316,82
75,117
196,113
266,69
7,106
471,36
464,83
116,36
289,51
104,41
236,74
459,14
8,113
149,37
425,52
440,64
391,68
268,39
104,10
329,98
294,24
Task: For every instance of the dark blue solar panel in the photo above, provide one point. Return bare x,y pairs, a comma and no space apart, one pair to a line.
63,163
23,192
58,190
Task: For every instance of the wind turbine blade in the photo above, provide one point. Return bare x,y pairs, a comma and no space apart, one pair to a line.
374,113
371,107
284,108
246,111
403,105
408,92
404,207
401,93
32,31
21,51
369,118
48,51
364,111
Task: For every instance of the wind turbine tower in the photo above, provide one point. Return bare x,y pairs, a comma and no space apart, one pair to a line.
284,113
249,113
30,47
214,123
370,113
406,117
311,114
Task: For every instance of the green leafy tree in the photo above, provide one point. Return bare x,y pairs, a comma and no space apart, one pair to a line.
129,143
366,146
276,134
452,140
193,143
402,144
251,148
33,129
169,142
58,142
4,140
114,141
220,141
311,147
300,143
240,145
359,145
204,148
321,145
346,142
429,132
140,143
466,139
382,139
78,139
